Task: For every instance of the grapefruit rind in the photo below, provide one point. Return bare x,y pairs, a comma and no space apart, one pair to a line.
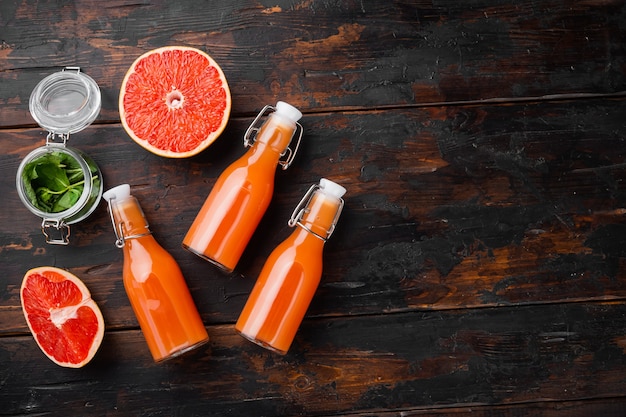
56,305
155,110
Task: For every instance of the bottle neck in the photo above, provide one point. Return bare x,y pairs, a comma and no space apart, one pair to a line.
128,219
302,237
275,134
320,215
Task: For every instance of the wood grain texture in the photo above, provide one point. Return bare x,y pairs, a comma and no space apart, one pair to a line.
446,208
478,267
409,361
322,55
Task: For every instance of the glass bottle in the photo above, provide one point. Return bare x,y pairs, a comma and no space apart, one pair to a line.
292,272
242,193
56,182
154,282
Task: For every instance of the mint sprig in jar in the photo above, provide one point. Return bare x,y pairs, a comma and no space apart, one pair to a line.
56,182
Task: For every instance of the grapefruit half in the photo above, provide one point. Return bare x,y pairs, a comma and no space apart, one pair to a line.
66,323
174,101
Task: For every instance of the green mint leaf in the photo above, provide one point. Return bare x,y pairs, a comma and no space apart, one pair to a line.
52,176
74,175
68,199
53,182
27,176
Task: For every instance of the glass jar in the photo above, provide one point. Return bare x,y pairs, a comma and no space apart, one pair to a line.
56,182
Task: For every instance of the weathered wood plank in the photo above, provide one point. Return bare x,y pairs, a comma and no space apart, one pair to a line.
446,208
478,268
606,407
325,55
406,361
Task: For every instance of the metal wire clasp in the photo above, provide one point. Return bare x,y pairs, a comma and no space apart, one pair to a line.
117,228
63,137
62,229
302,208
250,136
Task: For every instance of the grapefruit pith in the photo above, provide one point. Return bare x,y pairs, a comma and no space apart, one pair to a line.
174,101
65,322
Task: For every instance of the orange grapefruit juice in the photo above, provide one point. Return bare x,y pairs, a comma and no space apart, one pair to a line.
156,287
232,211
289,279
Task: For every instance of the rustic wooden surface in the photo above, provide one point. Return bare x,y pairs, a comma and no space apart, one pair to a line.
479,267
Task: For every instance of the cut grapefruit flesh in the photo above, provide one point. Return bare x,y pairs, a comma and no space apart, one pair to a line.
174,101
65,322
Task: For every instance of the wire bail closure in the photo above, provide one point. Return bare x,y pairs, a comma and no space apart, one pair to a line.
50,138
118,229
302,208
61,228
250,136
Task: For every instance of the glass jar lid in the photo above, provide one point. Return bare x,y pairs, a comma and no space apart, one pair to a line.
65,102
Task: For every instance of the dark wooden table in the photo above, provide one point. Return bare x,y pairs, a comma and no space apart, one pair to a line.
479,267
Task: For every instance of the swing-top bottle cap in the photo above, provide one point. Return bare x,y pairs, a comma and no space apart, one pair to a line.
320,226
332,188
131,225
120,193
288,111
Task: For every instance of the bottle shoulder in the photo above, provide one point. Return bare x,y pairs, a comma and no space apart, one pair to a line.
255,163
304,241
144,257
145,244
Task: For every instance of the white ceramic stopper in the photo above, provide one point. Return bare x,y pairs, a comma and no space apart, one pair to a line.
332,188
288,111
120,192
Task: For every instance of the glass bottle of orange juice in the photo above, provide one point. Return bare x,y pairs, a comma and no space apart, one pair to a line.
232,211
154,282
292,272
